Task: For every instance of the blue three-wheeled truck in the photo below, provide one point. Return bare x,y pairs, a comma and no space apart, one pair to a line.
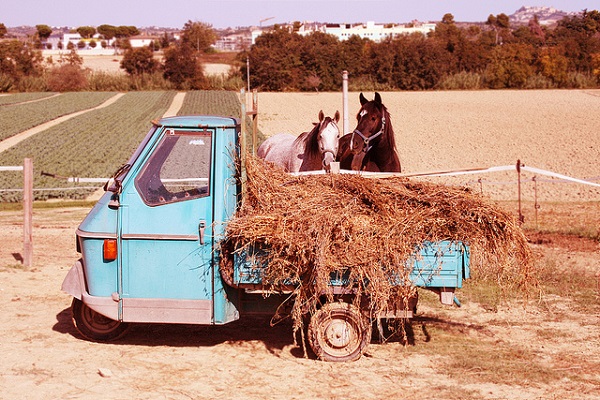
149,247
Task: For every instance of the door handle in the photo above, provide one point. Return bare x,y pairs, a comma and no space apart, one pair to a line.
201,228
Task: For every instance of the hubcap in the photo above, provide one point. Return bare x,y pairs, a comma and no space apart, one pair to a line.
339,334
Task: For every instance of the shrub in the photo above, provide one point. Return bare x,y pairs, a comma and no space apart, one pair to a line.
32,83
6,83
110,82
461,81
578,80
67,78
539,81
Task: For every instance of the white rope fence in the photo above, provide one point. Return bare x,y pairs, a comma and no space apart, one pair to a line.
458,172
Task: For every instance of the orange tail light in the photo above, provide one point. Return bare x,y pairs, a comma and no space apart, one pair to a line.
109,249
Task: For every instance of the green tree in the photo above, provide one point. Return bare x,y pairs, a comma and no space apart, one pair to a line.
139,61
3,30
86,32
509,66
108,32
275,61
124,31
353,55
199,35
320,59
43,31
18,60
579,38
183,68
554,66
500,26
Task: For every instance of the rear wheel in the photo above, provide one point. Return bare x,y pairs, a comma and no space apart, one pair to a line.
95,326
339,332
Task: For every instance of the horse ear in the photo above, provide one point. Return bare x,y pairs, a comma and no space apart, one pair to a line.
337,116
321,116
378,98
362,99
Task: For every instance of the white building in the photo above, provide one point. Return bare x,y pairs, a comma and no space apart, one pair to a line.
376,32
370,30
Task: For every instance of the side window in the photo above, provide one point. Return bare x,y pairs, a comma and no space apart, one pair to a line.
179,169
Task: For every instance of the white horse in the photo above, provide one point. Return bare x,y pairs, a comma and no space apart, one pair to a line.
310,151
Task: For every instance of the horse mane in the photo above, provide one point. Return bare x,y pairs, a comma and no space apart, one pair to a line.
388,131
311,138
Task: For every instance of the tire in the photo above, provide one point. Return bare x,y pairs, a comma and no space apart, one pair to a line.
338,332
95,326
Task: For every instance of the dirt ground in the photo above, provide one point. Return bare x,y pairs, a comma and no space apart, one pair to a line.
43,356
112,64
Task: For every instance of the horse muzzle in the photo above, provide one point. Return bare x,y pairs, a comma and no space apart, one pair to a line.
328,158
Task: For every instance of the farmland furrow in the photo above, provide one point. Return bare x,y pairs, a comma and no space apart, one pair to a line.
19,137
207,102
93,144
20,117
19,98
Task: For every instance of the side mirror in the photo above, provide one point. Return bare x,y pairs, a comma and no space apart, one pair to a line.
114,203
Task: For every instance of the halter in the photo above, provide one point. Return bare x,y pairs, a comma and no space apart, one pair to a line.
368,139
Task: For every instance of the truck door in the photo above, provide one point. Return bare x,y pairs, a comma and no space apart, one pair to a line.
166,240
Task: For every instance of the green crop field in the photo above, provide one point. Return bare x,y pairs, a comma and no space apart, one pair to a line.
15,98
96,143
20,117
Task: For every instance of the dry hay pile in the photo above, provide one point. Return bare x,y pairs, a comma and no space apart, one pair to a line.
317,225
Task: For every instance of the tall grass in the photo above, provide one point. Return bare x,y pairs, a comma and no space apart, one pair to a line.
462,81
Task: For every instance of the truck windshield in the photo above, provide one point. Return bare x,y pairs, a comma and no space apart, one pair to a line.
114,184
178,169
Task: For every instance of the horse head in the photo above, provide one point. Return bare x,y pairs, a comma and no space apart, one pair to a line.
323,140
372,141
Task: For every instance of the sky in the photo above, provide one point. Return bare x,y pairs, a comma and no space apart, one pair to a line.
233,13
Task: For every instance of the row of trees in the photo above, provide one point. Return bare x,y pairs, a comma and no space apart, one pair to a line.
490,56
23,68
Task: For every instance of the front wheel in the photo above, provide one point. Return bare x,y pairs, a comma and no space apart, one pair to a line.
339,332
95,326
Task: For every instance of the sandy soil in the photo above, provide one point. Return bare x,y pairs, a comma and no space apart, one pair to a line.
112,64
43,356
551,130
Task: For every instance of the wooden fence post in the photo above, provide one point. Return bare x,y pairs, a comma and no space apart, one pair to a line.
27,212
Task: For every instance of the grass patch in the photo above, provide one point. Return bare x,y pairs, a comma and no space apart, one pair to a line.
467,358
14,267
578,285
45,205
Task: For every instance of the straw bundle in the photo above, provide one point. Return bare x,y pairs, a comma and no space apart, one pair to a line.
313,226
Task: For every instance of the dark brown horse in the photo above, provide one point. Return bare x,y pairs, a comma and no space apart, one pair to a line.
371,146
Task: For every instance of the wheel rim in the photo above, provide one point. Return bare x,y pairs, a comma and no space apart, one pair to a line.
339,332
98,323
340,335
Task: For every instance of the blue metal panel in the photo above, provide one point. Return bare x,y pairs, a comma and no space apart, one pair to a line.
101,275
101,219
225,203
439,264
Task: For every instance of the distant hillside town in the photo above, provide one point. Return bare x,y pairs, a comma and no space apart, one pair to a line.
241,38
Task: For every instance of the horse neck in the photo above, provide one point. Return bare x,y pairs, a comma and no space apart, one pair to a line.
310,141
384,152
